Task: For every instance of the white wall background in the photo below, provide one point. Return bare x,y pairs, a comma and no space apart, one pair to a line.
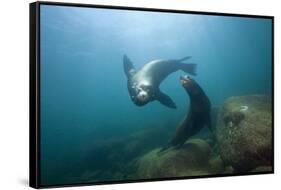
14,93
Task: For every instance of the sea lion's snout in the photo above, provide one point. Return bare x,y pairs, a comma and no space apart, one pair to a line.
140,93
143,93
143,96
185,80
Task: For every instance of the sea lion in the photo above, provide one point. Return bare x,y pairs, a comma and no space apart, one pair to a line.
143,84
197,117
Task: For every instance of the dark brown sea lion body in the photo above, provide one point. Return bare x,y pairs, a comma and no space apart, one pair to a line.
198,115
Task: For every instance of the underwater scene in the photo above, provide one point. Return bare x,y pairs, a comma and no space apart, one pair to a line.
129,95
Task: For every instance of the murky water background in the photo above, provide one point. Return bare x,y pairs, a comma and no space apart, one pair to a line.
90,129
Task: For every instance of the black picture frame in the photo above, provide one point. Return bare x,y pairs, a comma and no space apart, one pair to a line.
34,91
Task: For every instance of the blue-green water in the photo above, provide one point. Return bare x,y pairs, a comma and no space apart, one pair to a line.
87,116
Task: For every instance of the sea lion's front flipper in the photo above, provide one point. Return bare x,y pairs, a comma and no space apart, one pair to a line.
128,66
213,139
164,149
165,100
209,124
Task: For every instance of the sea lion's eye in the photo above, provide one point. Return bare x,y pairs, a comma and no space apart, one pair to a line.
146,88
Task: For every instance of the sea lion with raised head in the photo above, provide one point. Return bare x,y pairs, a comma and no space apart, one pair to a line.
143,84
197,117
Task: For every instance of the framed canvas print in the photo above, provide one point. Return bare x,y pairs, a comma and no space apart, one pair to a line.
126,94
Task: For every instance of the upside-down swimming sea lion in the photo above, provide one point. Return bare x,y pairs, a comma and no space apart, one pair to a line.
197,117
143,84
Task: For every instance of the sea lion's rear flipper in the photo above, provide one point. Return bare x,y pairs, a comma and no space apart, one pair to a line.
128,66
185,58
165,100
187,67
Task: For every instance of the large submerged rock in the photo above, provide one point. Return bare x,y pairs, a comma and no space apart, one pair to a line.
193,159
244,132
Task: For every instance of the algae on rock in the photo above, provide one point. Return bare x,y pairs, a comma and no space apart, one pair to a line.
244,132
192,159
